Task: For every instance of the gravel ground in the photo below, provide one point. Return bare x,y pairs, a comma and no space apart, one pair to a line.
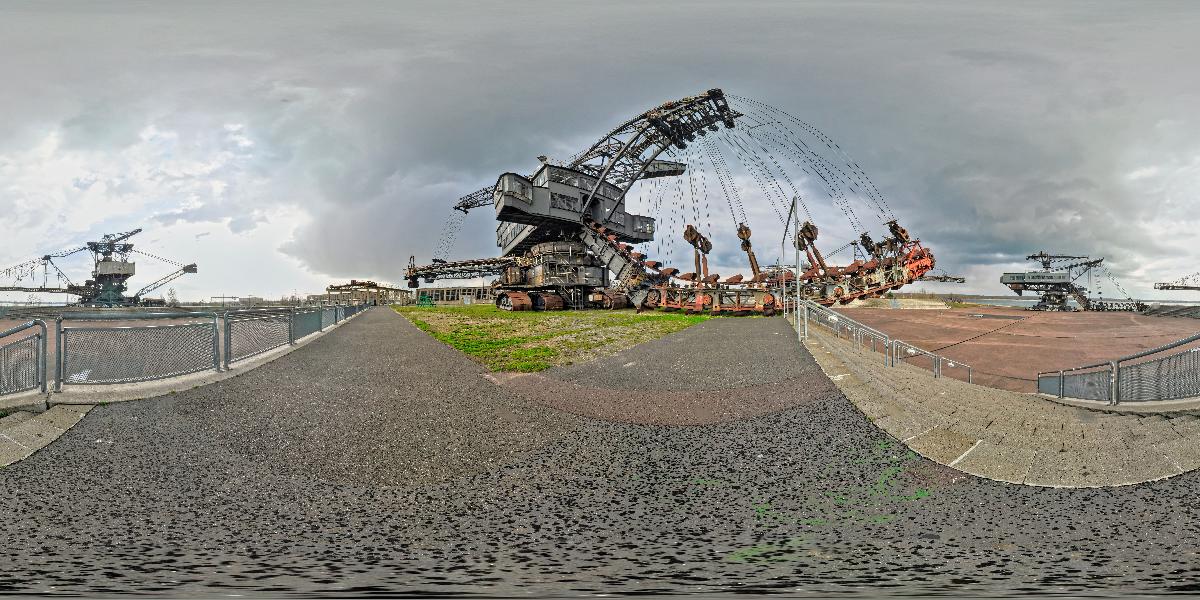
305,476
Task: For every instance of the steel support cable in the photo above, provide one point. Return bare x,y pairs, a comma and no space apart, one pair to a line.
826,172
687,159
731,192
720,181
1116,283
705,146
804,155
746,163
1186,280
704,190
453,225
857,169
168,261
866,183
799,164
766,180
749,133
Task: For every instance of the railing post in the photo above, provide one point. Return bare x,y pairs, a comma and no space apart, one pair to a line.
217,341
228,341
1062,381
970,374
59,359
42,346
292,326
1114,380
806,321
937,366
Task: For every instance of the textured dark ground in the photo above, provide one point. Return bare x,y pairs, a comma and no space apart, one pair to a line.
376,459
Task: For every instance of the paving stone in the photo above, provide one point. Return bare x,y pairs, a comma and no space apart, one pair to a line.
34,434
11,451
63,416
942,445
1056,469
13,418
1185,452
998,461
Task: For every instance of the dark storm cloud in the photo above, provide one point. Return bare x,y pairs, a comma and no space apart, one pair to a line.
993,130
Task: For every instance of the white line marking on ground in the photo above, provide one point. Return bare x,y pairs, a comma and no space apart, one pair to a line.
964,454
5,436
905,440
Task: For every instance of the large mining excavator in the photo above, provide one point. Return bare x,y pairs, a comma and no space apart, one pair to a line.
566,239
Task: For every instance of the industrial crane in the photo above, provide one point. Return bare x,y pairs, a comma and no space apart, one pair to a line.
1188,282
1059,280
112,268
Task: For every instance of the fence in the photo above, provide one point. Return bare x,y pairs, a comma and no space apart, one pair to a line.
23,358
894,351
251,332
103,354
1171,377
97,348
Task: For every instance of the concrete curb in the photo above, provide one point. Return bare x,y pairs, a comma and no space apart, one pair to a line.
1183,406
21,441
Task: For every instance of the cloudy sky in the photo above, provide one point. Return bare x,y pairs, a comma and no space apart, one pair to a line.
286,145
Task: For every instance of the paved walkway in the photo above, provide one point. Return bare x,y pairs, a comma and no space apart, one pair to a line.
398,466
1008,436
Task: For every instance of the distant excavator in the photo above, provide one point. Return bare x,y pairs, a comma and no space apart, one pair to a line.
1060,280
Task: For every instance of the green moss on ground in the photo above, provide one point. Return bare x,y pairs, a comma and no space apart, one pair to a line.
533,341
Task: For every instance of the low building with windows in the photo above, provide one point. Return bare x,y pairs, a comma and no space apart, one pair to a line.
455,296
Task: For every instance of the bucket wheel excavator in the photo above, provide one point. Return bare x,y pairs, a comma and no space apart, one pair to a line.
567,241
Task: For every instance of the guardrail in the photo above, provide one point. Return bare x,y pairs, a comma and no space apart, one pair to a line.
98,354
1171,377
99,348
894,351
23,360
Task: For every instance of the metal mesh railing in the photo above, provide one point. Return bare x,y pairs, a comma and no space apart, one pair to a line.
1049,384
19,365
894,351
247,336
108,354
1088,385
103,355
1168,378
306,323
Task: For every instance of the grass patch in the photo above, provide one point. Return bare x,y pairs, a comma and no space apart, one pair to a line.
958,304
530,341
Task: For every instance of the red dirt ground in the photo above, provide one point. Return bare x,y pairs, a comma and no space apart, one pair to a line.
1008,347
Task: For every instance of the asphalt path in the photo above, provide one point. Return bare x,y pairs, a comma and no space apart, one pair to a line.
376,459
